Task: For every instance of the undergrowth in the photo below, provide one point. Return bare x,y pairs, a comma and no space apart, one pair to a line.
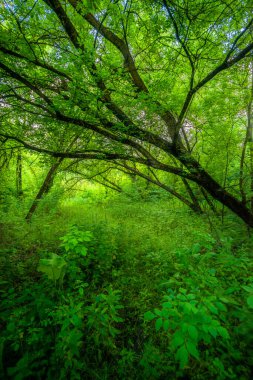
159,296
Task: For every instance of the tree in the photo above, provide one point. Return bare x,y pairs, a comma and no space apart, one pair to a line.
134,75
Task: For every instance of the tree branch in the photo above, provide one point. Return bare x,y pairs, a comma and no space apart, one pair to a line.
28,84
34,61
223,66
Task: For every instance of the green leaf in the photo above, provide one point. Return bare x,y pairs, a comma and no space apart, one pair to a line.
212,308
158,312
218,363
223,332
148,316
192,349
54,267
213,331
158,324
83,251
250,301
220,306
189,308
168,305
177,340
248,288
193,333
166,324
196,248
183,356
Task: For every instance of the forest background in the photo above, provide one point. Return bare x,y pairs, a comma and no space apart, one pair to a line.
126,169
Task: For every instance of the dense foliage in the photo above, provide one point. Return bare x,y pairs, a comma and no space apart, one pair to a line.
159,296
126,189
157,84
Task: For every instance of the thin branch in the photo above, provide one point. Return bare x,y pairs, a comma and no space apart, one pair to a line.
103,156
223,66
36,62
26,82
161,185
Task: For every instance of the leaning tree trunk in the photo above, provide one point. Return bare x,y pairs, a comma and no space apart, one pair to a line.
202,178
44,189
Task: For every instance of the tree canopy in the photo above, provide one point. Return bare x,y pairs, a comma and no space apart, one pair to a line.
160,84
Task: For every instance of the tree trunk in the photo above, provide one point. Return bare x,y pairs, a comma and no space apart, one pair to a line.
19,187
201,177
44,189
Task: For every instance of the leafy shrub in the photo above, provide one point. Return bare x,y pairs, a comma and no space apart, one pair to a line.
103,317
81,315
191,322
49,324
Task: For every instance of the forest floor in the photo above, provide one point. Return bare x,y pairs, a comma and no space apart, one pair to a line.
149,292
